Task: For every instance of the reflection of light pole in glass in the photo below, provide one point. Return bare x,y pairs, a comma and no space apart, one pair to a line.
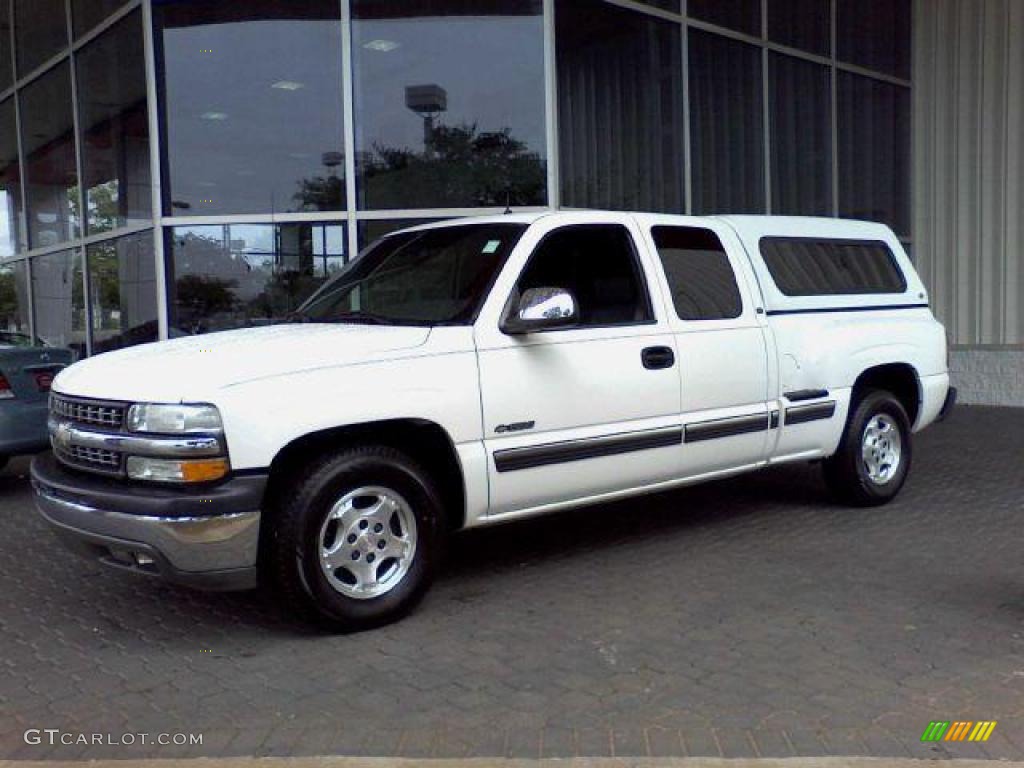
428,101
332,160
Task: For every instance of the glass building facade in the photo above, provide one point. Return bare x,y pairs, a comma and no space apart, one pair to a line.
171,167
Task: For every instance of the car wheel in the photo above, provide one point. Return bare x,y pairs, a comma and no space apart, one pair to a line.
3,461
357,540
874,454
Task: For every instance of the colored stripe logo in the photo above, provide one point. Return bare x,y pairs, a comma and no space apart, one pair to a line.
958,730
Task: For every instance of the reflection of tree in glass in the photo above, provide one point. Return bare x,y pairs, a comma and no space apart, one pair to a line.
103,206
221,286
283,294
8,302
459,167
74,211
106,286
200,296
320,193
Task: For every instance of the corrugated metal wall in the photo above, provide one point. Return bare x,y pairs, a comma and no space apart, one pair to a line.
968,177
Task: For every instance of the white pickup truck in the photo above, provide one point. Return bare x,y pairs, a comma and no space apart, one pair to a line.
477,371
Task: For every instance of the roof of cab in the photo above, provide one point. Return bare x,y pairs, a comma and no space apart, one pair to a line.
749,227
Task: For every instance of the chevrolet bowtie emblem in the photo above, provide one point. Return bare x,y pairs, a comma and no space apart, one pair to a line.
63,435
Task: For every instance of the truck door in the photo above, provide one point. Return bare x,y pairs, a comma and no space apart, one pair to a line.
588,410
723,360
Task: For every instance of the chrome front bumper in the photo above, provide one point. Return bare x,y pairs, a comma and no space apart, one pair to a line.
210,552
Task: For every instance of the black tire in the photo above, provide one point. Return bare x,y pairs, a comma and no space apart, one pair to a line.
295,529
3,462
846,473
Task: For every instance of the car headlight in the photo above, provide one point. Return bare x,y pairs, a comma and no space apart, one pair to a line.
161,419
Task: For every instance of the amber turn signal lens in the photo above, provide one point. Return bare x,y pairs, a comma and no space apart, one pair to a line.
204,470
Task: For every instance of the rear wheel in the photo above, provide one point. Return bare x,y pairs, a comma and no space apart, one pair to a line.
3,461
874,454
357,541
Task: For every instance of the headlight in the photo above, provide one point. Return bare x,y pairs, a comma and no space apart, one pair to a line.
173,419
176,470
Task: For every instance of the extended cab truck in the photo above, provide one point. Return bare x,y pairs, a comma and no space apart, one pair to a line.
472,372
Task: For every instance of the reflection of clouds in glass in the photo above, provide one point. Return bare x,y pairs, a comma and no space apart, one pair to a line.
490,67
451,111
269,89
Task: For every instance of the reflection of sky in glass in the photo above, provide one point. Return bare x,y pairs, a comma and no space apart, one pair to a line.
490,66
253,108
6,234
328,239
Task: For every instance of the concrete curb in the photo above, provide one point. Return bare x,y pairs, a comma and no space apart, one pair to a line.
577,762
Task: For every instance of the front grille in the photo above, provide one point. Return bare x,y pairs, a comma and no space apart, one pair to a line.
95,459
93,415
88,413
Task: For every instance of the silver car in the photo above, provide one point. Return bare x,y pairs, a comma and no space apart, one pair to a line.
26,371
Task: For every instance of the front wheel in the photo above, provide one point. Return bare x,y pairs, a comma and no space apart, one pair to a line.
873,458
356,542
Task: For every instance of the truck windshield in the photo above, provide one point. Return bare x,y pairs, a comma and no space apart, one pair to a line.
432,277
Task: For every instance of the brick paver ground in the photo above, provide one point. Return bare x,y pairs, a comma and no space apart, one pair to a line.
746,617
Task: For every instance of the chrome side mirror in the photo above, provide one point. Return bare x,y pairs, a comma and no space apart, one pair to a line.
542,309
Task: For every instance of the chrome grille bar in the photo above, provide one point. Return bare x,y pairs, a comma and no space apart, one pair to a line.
97,414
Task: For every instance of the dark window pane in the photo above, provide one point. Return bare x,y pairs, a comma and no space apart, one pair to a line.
122,284
437,276
86,14
801,136
620,111
874,34
874,151
801,24
51,178
726,125
42,31
58,297
253,97
808,267
699,274
12,238
742,15
115,130
597,264
248,274
449,103
13,303
6,65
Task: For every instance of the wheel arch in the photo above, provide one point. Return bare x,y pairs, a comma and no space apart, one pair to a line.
900,379
426,442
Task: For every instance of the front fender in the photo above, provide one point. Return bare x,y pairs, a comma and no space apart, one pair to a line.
261,417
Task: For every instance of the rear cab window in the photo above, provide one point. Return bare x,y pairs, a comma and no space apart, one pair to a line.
700,277
805,266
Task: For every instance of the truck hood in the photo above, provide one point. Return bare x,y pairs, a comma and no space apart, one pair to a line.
194,368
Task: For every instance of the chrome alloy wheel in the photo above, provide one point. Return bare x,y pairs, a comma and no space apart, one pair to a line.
881,448
367,542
